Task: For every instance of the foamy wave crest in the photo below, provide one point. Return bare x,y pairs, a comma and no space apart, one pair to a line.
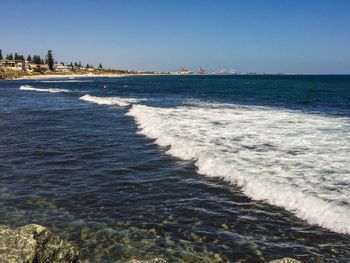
289,159
52,90
109,100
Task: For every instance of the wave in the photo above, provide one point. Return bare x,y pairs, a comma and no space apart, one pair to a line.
109,100
52,90
290,159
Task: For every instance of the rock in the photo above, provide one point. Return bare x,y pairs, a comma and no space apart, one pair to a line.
155,260
34,244
285,260
160,260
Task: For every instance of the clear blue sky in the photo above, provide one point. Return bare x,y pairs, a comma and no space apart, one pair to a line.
299,36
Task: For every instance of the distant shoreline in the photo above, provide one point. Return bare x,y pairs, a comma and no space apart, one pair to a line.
116,75
53,76
77,75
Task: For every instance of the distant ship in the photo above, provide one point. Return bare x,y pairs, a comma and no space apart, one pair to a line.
226,72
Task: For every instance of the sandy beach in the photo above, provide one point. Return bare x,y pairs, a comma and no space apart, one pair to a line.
54,76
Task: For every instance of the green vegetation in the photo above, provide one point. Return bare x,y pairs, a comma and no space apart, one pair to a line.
36,59
50,60
36,65
19,57
13,74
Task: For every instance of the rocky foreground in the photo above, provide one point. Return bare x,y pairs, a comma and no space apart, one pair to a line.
36,244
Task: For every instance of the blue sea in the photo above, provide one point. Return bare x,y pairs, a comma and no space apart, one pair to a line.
187,168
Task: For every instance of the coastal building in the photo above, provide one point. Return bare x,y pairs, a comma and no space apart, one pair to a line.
232,72
61,68
202,71
184,71
33,66
12,64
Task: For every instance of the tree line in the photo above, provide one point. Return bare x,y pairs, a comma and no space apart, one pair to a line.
49,60
36,59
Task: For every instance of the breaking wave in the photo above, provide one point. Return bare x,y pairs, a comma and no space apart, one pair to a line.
52,90
290,159
109,100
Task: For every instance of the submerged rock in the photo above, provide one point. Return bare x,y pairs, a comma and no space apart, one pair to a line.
160,260
34,244
155,260
285,260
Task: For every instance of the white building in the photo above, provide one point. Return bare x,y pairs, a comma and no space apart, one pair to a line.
61,68
12,64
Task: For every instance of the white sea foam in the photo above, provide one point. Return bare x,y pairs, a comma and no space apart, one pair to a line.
52,90
109,100
289,159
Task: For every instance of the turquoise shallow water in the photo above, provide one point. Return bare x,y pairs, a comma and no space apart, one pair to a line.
193,169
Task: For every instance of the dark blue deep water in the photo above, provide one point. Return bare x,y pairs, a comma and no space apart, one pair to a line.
84,169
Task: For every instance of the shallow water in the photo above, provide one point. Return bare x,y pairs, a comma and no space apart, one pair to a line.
193,169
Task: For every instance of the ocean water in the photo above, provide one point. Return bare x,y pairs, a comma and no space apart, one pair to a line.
189,168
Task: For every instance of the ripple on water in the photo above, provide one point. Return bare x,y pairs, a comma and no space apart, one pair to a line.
82,170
